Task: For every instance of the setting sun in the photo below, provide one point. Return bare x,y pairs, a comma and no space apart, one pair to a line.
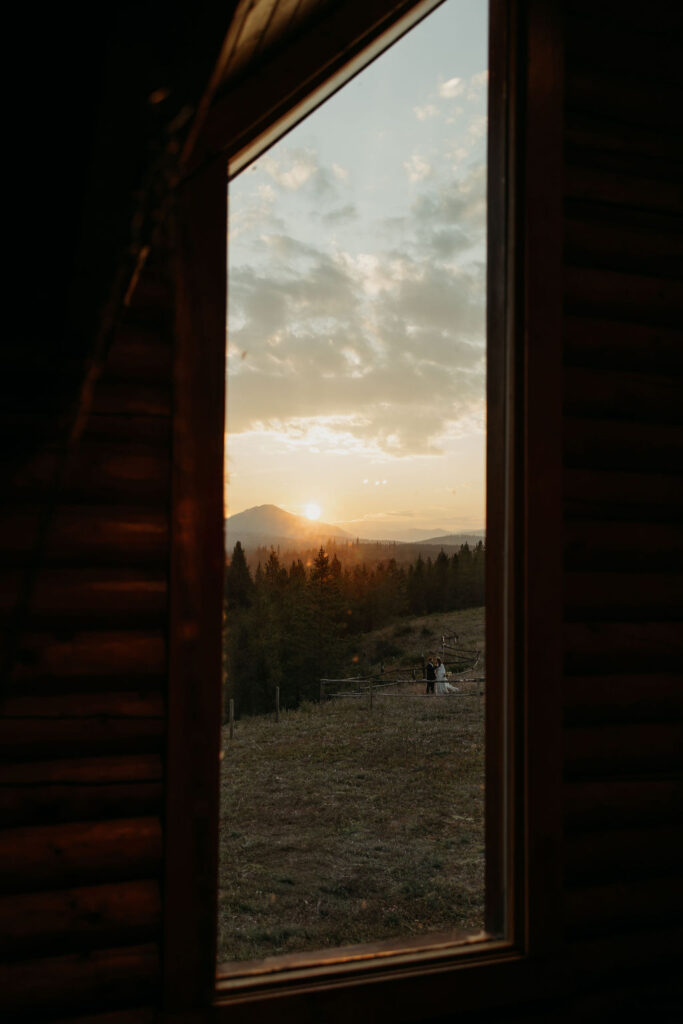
312,511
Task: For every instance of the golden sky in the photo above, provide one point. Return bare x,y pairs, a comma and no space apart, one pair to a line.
356,321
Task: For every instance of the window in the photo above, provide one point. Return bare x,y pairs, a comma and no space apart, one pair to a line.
355,502
521,731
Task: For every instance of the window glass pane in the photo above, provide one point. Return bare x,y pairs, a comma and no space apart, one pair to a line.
355,504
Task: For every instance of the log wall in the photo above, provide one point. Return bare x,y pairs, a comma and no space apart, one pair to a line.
623,496
84,532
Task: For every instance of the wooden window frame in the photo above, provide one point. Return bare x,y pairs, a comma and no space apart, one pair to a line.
524,546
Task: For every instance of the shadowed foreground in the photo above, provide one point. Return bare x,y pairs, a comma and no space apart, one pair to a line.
341,825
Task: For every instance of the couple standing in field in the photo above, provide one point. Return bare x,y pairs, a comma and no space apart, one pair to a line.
436,679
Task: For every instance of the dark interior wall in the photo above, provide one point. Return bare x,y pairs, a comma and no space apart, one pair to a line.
623,499
83,724
104,100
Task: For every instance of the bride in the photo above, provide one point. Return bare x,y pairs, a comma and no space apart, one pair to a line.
442,686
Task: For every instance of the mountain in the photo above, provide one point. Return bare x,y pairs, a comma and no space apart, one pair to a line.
456,539
416,534
268,524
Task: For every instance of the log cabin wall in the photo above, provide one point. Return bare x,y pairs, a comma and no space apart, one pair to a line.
82,727
623,499
86,571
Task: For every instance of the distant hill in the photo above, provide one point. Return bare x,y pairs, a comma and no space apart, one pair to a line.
264,525
456,539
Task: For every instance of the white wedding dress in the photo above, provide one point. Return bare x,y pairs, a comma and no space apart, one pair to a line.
442,686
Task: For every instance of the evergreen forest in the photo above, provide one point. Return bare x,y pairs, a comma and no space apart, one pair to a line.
290,625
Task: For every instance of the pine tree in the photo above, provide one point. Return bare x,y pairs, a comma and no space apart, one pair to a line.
239,586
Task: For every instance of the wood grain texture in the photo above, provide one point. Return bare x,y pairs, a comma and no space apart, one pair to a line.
66,655
609,342
620,803
42,857
79,918
66,737
623,697
623,546
101,595
623,749
82,981
635,853
87,535
197,563
604,909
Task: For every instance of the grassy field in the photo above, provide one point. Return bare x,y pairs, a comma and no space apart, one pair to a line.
344,825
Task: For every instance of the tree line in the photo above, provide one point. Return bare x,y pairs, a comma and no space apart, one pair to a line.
288,626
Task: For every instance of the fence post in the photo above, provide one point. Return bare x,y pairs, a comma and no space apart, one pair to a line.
232,717
371,689
277,703
321,691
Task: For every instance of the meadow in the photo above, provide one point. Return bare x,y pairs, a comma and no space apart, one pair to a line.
344,823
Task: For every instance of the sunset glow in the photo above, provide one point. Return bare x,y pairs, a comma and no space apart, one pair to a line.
356,319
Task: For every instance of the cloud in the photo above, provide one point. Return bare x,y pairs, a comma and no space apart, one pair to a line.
452,88
349,352
341,214
417,167
298,168
426,112
477,84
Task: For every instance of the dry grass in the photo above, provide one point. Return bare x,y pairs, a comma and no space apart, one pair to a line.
343,825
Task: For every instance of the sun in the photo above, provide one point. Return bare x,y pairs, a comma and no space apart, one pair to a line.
312,511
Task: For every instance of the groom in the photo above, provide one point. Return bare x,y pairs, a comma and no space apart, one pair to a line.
431,676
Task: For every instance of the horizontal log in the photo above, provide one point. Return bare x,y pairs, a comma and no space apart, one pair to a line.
80,789
623,496
623,697
628,948
615,295
65,737
35,924
639,547
49,431
71,802
119,704
636,398
623,596
85,770
139,1015
79,853
626,99
622,749
630,346
618,803
123,397
589,136
95,473
603,648
603,909
620,185
609,44
139,354
591,443
129,653
79,534
617,854
151,302
89,595
627,240
82,981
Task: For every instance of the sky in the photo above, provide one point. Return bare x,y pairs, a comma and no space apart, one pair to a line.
356,297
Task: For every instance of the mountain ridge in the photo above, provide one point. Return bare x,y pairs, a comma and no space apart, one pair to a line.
266,524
